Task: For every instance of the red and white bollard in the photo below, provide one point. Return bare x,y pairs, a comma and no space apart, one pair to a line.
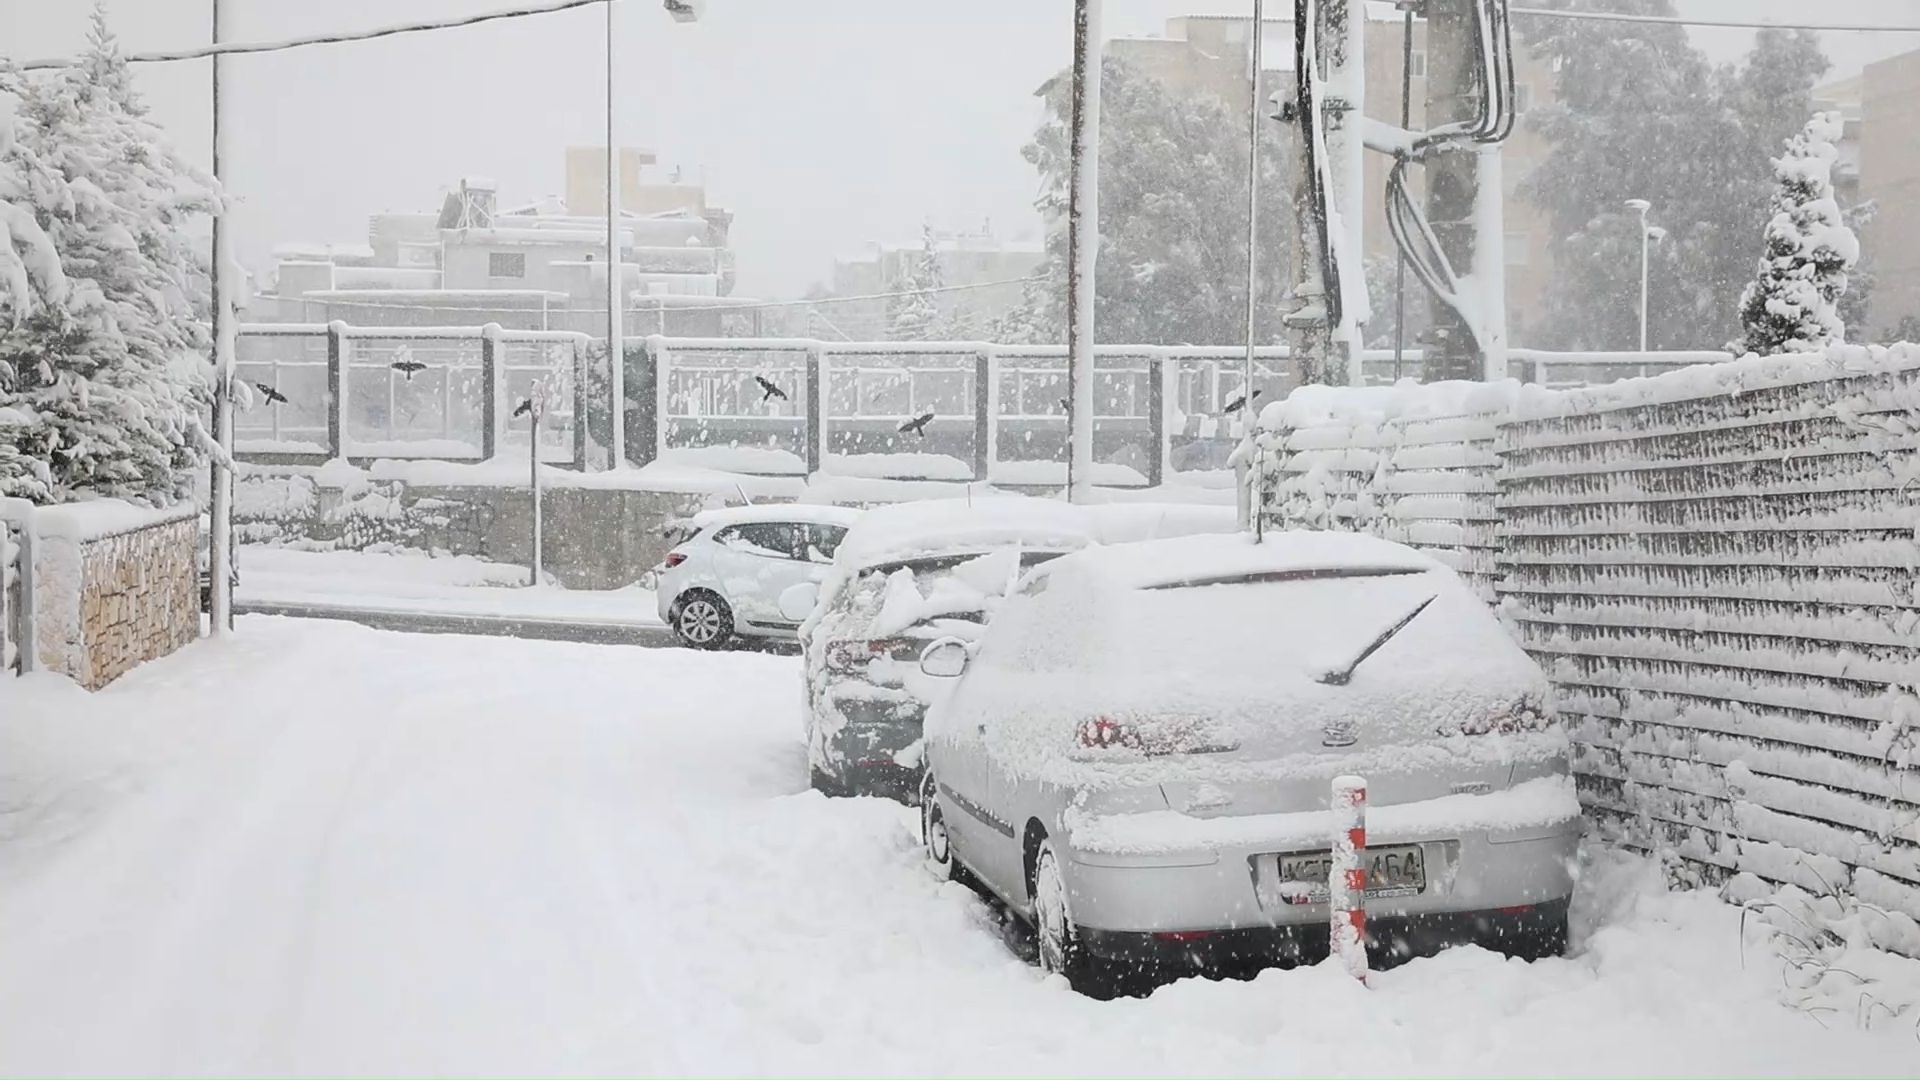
1347,877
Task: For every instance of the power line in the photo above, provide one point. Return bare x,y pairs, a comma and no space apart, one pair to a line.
241,47
1740,24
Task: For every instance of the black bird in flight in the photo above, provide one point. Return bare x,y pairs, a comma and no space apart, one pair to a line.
768,390
272,395
523,408
409,366
1238,403
917,425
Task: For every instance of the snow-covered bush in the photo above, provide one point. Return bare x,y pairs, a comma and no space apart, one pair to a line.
105,342
1794,304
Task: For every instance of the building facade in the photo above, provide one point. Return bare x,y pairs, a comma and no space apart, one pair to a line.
541,265
1888,153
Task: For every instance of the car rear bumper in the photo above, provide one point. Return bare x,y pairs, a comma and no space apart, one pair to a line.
1523,930
1118,880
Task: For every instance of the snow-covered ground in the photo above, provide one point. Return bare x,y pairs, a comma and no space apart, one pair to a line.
315,847
407,580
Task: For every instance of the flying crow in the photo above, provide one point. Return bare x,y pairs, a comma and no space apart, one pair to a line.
768,391
409,366
1238,403
272,395
523,408
917,425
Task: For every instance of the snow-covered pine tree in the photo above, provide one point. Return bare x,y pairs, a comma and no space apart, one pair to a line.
108,381
916,314
1794,304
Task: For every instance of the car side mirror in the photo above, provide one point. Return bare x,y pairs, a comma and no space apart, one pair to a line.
796,602
945,658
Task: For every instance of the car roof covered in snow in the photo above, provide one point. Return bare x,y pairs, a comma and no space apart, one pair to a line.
950,526
1205,558
811,513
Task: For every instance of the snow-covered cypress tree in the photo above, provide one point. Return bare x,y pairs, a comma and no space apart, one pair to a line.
916,314
106,383
1794,304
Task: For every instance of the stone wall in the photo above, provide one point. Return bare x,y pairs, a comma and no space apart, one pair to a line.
111,595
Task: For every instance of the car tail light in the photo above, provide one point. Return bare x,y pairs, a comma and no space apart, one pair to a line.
1158,736
1521,716
848,655
674,558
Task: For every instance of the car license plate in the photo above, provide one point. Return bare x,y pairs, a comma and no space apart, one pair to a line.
1391,871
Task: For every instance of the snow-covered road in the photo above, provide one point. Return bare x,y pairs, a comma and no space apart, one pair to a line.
322,848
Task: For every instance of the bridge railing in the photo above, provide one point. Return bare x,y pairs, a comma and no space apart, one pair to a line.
932,410
324,390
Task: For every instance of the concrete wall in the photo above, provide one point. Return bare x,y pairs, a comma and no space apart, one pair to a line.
106,601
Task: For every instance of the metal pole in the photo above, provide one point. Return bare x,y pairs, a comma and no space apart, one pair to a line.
616,346
220,495
1643,279
1347,876
1253,220
1083,241
1400,257
533,440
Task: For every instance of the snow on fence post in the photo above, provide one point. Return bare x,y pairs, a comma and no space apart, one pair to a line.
16,584
580,404
1347,878
336,389
489,391
1160,398
816,433
983,403
654,421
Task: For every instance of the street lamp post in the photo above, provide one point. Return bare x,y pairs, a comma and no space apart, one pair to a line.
1642,206
684,11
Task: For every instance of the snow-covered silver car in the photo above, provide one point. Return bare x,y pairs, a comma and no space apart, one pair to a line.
905,576
727,568
1137,756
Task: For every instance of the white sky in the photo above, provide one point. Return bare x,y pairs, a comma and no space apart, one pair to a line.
821,123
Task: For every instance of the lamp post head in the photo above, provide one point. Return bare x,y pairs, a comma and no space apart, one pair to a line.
1640,205
1656,233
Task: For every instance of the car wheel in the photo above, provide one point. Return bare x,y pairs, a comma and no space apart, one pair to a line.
1055,937
933,832
702,620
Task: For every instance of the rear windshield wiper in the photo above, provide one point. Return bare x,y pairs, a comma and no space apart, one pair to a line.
1342,676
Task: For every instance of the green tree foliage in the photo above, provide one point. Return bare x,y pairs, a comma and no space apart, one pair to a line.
1173,218
1639,113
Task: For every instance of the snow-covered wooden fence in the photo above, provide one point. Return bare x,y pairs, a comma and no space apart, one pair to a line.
1413,464
1717,567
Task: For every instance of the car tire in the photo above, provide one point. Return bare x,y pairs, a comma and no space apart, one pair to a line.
701,620
1055,937
934,837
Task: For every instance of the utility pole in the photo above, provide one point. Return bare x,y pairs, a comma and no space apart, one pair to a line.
1309,332
220,494
1083,243
1454,196
1342,114
1254,116
616,316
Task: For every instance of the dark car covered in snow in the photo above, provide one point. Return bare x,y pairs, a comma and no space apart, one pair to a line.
904,577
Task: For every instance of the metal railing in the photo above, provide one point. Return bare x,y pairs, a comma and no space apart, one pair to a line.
333,390
943,410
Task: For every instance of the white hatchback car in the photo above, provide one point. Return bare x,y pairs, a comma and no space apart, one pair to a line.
725,573
1139,756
